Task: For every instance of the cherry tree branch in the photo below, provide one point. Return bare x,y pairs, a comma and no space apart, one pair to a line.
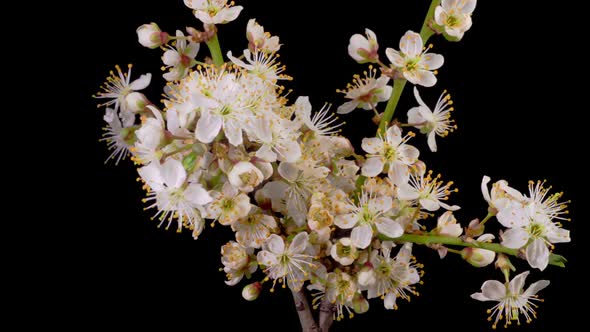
326,314
306,319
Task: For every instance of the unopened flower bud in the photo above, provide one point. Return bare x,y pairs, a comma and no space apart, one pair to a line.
504,264
364,49
136,101
478,257
360,305
251,291
150,36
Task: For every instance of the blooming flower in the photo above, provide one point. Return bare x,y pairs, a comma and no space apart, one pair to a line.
261,64
150,137
180,58
366,218
254,229
223,107
535,231
278,141
362,49
290,263
258,40
118,86
415,63
116,136
341,289
245,176
428,191
391,151
512,301
322,121
150,36
365,92
432,123
392,277
236,262
455,16
214,11
292,193
500,197
545,204
343,251
172,196
229,205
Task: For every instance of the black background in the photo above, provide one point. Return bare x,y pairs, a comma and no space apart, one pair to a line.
514,82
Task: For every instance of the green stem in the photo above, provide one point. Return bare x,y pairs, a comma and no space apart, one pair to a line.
486,219
426,32
398,85
454,241
398,88
215,49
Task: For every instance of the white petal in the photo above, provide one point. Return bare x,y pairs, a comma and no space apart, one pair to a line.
421,77
267,258
415,116
389,227
233,132
288,150
394,57
347,107
537,254
173,173
411,44
432,141
265,153
372,167
288,171
493,290
393,135
431,61
141,83
449,207
389,301
484,188
361,236
430,204
479,297
408,154
346,221
299,243
407,193
196,194
275,244
229,14
515,238
536,287
152,175
467,6
171,58
558,235
372,145
239,62
208,127
517,283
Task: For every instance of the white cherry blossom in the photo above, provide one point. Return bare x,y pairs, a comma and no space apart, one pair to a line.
414,62
512,300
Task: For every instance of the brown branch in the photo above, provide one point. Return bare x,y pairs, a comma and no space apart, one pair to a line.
326,314
306,319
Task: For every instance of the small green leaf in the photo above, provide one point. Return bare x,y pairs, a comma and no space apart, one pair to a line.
557,260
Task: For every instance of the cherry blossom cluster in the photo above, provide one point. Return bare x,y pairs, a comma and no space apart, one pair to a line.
227,145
